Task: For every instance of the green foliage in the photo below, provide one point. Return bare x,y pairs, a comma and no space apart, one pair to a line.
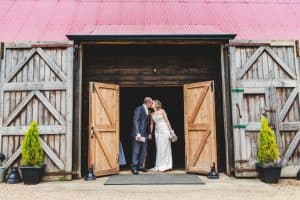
267,150
32,152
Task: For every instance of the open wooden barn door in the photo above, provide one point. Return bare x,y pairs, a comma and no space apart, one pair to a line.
104,128
200,127
37,85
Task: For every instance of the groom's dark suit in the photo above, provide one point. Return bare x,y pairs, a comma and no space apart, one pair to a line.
140,125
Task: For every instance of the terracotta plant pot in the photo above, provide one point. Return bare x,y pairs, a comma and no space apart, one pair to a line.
32,175
269,174
2,174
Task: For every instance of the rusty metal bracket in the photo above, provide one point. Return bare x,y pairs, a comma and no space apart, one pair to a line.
239,110
270,110
93,132
297,46
94,88
245,170
241,161
1,50
212,86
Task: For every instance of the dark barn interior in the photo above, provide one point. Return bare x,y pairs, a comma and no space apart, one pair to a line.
152,70
171,98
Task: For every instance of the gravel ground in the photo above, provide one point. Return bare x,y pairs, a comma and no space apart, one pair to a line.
224,188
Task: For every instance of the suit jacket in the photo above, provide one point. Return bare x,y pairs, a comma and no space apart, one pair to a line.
140,122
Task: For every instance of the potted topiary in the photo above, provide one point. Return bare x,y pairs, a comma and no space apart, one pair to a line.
2,169
32,156
268,166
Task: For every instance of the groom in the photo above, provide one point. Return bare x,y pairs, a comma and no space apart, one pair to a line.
139,136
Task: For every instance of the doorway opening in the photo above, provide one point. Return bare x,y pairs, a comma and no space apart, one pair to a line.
151,70
172,101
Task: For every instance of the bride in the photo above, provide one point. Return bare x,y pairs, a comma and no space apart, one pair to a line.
162,138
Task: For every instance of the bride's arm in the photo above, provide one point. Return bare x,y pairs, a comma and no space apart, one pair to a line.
167,119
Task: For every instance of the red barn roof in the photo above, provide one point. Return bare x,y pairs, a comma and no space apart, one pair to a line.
24,20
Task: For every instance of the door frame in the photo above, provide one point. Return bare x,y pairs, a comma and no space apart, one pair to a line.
226,97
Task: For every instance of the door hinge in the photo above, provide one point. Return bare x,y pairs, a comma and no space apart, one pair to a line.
241,90
240,126
94,88
93,132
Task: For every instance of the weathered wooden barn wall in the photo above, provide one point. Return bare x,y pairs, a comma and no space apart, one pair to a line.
36,84
265,78
133,65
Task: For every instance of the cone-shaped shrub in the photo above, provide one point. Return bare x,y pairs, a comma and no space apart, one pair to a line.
32,152
267,150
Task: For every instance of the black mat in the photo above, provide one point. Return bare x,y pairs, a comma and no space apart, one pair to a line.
154,179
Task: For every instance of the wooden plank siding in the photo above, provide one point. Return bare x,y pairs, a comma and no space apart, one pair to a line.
265,79
133,66
36,84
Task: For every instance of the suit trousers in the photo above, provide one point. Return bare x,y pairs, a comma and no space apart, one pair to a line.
139,153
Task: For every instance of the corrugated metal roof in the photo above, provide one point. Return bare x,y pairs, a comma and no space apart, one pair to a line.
23,20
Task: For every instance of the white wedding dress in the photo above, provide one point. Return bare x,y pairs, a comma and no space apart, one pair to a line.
163,160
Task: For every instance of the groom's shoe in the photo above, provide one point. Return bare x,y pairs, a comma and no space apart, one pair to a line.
134,172
143,169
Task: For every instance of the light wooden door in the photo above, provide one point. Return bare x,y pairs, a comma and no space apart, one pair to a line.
200,127
104,128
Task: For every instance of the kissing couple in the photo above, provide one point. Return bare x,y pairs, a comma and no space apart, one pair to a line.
160,128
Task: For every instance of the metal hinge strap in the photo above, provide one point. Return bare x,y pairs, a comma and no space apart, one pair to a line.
240,126
240,90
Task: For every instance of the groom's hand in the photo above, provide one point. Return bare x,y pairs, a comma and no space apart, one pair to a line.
150,136
138,135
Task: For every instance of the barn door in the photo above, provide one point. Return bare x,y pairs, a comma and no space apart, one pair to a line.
104,128
36,84
200,127
265,80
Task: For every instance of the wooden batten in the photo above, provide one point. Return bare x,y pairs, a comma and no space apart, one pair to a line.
260,43
40,44
157,42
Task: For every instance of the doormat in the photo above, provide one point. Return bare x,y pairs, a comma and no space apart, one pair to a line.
154,179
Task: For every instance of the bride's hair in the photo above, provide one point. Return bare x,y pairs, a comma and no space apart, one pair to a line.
157,104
